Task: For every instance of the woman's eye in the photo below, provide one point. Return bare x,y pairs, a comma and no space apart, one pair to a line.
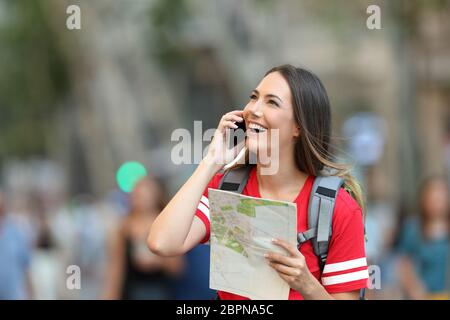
253,97
273,102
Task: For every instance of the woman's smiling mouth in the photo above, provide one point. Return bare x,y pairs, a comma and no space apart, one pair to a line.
256,128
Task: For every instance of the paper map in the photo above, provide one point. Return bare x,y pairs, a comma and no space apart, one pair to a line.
241,231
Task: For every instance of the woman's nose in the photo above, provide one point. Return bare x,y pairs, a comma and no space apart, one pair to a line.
256,109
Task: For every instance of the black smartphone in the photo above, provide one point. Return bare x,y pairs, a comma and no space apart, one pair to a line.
237,135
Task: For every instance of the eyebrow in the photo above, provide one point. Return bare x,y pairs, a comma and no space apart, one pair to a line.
268,95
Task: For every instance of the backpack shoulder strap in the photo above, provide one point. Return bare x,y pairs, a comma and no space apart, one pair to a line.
234,180
320,215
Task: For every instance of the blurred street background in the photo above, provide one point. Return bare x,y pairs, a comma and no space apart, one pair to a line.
86,118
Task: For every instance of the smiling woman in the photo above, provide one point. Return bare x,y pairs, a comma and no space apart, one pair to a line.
292,105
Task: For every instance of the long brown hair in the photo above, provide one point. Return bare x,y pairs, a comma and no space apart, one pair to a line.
312,114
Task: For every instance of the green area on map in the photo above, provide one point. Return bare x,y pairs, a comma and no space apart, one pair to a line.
232,241
218,227
232,236
247,206
229,238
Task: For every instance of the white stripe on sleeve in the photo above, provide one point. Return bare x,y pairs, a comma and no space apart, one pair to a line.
346,265
205,201
204,209
347,277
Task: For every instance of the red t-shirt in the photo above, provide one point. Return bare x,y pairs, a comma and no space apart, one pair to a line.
346,266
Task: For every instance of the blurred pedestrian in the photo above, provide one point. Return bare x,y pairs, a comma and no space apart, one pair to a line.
44,261
134,272
194,282
15,253
424,245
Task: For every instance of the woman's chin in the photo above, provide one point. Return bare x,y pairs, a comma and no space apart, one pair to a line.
255,147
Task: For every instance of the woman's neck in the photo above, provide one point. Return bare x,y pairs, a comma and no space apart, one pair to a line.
287,177
436,227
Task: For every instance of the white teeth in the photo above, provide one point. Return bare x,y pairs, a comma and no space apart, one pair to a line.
258,128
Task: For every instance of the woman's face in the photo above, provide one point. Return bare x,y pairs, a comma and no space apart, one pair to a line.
144,196
435,199
269,110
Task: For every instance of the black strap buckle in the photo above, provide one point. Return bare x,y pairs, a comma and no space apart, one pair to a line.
322,261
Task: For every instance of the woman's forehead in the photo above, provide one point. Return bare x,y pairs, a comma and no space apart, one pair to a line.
274,83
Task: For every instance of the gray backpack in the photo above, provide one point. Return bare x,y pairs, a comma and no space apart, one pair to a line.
320,209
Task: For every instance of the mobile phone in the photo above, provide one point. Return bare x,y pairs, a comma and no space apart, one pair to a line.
237,135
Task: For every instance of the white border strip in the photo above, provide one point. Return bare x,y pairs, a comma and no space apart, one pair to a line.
352,276
346,265
204,209
205,201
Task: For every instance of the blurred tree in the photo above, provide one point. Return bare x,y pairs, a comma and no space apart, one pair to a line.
166,20
33,80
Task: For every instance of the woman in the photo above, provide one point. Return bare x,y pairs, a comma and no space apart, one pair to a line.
134,272
294,102
424,247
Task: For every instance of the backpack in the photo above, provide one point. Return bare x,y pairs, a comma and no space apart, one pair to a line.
320,209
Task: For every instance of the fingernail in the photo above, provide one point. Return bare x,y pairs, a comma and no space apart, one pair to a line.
274,240
266,255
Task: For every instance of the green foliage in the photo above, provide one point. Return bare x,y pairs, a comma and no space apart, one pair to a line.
33,79
166,22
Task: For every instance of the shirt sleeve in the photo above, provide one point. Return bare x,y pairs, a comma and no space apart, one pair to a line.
346,266
202,211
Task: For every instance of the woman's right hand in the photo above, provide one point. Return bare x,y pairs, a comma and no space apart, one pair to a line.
218,153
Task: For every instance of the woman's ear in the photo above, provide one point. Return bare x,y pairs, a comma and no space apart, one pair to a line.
296,132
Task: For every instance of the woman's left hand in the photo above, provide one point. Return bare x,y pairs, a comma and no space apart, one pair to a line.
292,268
